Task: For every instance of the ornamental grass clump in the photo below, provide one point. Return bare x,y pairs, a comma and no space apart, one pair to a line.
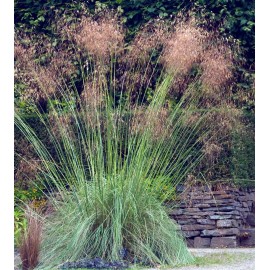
105,178
118,156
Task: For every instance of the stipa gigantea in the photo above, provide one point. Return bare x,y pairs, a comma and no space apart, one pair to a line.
111,163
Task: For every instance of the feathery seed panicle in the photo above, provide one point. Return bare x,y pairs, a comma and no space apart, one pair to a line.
216,65
184,48
100,38
151,37
42,80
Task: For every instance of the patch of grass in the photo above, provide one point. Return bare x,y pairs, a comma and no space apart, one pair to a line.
220,258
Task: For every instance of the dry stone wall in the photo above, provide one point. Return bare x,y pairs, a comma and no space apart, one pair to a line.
216,218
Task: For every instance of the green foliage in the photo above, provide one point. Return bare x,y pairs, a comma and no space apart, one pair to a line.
61,105
39,15
34,196
243,153
32,193
20,225
234,18
163,188
237,18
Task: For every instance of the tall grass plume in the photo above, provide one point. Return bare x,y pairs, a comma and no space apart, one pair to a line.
120,148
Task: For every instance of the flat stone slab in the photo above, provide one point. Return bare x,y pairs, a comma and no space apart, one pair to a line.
243,198
202,197
176,211
192,209
200,242
186,221
215,217
223,242
224,196
221,208
201,205
206,221
214,202
197,227
226,223
221,232
201,213
245,204
234,212
189,234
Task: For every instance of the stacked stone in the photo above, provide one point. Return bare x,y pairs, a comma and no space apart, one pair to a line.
214,219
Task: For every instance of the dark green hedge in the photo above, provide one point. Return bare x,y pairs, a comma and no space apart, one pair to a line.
229,17
243,150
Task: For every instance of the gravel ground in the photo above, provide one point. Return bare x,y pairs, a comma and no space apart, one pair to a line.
211,259
17,259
